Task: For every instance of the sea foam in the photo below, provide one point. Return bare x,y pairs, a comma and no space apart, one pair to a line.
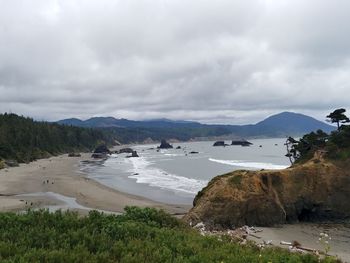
144,173
251,165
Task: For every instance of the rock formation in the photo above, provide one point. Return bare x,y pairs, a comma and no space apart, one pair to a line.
133,154
219,143
316,190
11,163
100,152
165,145
125,150
73,154
102,149
241,143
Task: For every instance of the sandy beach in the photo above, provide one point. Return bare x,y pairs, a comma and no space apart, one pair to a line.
307,234
57,183
61,175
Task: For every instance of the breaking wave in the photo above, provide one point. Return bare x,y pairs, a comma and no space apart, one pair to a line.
144,173
252,165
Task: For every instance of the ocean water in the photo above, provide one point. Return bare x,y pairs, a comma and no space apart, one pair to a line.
175,176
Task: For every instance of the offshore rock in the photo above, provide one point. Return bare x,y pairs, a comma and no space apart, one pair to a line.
164,145
219,143
102,149
125,150
241,143
133,154
314,191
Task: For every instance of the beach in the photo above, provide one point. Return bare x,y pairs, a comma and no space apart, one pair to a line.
308,234
58,183
31,186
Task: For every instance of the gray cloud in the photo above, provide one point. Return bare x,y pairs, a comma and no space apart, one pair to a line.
214,61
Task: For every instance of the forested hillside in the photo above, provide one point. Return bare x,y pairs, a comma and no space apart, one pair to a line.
278,125
24,139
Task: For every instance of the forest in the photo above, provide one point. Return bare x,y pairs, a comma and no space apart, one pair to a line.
24,140
335,146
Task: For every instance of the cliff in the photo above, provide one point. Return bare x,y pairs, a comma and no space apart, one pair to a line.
316,190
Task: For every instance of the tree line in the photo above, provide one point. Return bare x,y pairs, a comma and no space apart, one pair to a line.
24,140
335,145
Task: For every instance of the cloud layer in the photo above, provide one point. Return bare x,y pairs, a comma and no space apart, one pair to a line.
212,61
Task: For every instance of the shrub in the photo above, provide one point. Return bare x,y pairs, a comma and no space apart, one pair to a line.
140,235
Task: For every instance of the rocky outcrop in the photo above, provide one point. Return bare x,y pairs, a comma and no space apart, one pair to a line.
73,154
165,145
11,163
99,155
100,152
241,143
125,150
133,154
219,143
313,191
102,149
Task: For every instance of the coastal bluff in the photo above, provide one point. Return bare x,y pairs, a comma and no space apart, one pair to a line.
318,189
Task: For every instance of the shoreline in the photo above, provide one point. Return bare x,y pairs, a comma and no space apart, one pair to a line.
23,187
307,234
61,175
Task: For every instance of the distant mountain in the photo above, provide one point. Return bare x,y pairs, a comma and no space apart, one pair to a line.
72,122
290,123
102,122
279,125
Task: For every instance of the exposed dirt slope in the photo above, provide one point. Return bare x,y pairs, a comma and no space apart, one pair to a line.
316,190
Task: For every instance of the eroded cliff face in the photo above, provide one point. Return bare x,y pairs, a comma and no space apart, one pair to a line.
316,190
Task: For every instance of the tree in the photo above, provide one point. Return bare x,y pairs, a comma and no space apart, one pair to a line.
338,117
292,154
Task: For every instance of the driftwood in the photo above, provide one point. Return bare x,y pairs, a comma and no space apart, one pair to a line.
7,194
286,243
254,235
308,249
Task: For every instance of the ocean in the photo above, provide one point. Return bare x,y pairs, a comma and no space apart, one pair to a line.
175,176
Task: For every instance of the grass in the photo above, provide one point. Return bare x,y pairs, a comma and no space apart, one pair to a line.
139,235
236,180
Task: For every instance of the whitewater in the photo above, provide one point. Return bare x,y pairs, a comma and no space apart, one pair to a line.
175,175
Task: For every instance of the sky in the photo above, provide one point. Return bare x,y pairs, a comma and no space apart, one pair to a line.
222,61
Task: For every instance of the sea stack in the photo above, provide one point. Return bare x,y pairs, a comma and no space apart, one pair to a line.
133,154
164,145
101,151
219,143
241,142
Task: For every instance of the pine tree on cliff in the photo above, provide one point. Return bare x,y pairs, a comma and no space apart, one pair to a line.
338,117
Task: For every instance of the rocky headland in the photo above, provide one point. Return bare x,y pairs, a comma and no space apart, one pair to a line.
315,190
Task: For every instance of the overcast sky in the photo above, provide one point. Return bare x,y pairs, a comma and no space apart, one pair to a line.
212,61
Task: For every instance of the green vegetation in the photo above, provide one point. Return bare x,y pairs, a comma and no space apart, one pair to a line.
338,117
335,146
139,134
139,235
2,164
236,180
25,140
